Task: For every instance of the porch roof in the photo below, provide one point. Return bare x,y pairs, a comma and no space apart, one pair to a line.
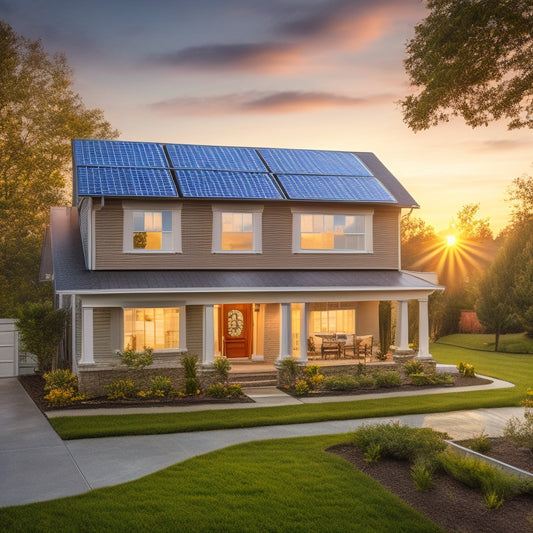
71,276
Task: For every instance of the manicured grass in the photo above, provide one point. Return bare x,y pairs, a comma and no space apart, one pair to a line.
511,343
517,369
269,486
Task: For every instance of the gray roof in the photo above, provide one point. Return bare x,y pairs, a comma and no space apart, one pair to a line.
70,274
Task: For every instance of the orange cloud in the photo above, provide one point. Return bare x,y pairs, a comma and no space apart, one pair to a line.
276,102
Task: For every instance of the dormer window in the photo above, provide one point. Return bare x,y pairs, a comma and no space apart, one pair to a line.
150,230
237,229
332,232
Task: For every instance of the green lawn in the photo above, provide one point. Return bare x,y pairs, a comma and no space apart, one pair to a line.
510,343
279,485
516,368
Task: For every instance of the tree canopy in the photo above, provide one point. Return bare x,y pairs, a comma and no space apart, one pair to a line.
39,114
474,59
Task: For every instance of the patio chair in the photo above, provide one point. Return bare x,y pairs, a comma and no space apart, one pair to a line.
365,345
351,346
330,346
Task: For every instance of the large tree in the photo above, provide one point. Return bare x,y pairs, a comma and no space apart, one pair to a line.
474,59
39,114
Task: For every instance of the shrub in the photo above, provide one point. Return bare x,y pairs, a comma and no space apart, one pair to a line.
60,379
413,367
130,357
235,391
388,379
528,400
372,453
190,363
301,387
313,376
121,389
222,368
381,356
63,396
422,475
492,499
431,379
342,382
290,369
41,328
520,432
62,387
400,442
192,386
467,370
217,390
365,381
161,386
480,444
480,475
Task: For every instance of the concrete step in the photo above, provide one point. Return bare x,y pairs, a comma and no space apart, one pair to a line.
254,379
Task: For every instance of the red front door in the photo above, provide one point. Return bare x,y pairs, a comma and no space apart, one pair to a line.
237,329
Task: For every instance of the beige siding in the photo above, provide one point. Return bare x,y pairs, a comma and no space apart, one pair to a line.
102,335
272,332
195,324
277,242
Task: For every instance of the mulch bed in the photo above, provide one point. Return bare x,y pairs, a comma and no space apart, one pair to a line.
458,381
452,505
34,386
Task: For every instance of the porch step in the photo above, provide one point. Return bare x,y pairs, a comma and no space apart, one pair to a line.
254,379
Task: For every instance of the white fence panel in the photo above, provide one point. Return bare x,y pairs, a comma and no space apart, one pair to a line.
8,348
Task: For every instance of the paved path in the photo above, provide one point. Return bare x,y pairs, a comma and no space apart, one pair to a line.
36,465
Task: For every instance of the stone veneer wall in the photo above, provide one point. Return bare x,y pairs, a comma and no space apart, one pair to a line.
93,379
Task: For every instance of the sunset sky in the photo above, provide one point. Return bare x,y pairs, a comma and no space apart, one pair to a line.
281,73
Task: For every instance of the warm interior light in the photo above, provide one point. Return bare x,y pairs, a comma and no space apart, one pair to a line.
450,240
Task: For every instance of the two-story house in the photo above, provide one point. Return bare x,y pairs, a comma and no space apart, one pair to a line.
245,252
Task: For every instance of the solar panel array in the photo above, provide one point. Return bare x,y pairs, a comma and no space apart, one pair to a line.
150,170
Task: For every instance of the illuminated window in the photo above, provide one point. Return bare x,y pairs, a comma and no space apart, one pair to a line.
237,231
332,321
151,230
332,232
156,328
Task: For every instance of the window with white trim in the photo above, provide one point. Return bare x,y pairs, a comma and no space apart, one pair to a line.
237,230
156,328
332,232
149,230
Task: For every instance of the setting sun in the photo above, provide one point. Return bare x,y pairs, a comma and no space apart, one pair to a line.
450,240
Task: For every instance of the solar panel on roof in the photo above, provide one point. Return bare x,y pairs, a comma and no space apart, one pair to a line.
216,184
90,152
347,188
188,156
320,162
120,181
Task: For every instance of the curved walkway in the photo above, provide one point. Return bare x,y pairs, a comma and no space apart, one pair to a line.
36,465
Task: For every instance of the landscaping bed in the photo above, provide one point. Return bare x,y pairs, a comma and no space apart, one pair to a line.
451,504
34,386
458,381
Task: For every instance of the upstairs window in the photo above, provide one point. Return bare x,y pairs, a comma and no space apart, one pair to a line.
332,232
151,230
236,231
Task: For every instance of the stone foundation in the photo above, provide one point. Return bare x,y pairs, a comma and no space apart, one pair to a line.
93,379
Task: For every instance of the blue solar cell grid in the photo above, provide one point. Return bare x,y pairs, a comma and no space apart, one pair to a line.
119,154
113,181
347,188
216,184
319,162
194,157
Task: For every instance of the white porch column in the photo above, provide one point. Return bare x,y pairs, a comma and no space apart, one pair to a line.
423,329
285,331
87,343
304,320
208,355
402,326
